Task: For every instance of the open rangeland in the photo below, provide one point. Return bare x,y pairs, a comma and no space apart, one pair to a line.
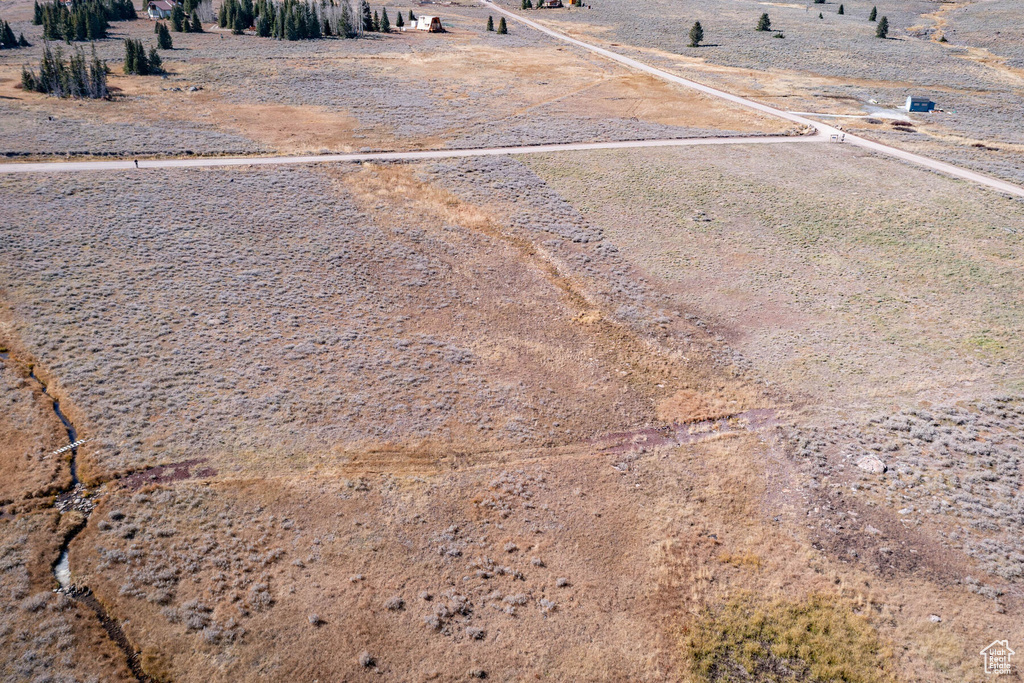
730,413
241,94
964,55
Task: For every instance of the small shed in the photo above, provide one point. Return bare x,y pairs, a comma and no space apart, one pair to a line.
160,9
432,24
553,3
920,104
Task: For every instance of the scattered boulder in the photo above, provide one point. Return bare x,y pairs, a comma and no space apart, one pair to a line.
872,464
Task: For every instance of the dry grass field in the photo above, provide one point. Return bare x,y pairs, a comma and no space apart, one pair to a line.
836,65
465,88
702,414
29,434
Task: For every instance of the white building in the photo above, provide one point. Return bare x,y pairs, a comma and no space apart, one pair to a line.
160,9
432,24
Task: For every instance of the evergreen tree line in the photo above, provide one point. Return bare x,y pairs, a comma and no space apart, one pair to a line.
295,19
79,77
236,15
8,41
136,61
182,22
881,30
291,20
528,4
83,20
305,19
372,22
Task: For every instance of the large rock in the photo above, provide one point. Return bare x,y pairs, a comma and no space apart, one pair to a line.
870,463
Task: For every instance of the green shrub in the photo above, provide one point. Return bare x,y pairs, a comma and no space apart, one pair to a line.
817,639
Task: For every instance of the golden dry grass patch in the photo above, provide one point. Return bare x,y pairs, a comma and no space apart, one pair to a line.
687,405
642,364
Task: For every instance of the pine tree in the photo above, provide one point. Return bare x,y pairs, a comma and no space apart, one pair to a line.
222,16
263,26
130,59
366,17
527,4
502,27
883,28
764,23
136,61
345,27
313,23
399,20
197,26
874,14
376,21
238,25
8,40
37,14
412,17
22,42
819,16
79,78
696,34
163,38
841,10
490,23
177,18
154,62
385,23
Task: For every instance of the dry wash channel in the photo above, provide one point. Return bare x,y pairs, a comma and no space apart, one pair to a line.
75,505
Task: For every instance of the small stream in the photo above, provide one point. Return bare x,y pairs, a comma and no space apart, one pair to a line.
72,498
77,497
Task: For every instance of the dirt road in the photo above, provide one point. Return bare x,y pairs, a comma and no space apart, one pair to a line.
64,166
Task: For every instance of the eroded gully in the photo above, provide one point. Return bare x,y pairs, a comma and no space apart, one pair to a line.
76,496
